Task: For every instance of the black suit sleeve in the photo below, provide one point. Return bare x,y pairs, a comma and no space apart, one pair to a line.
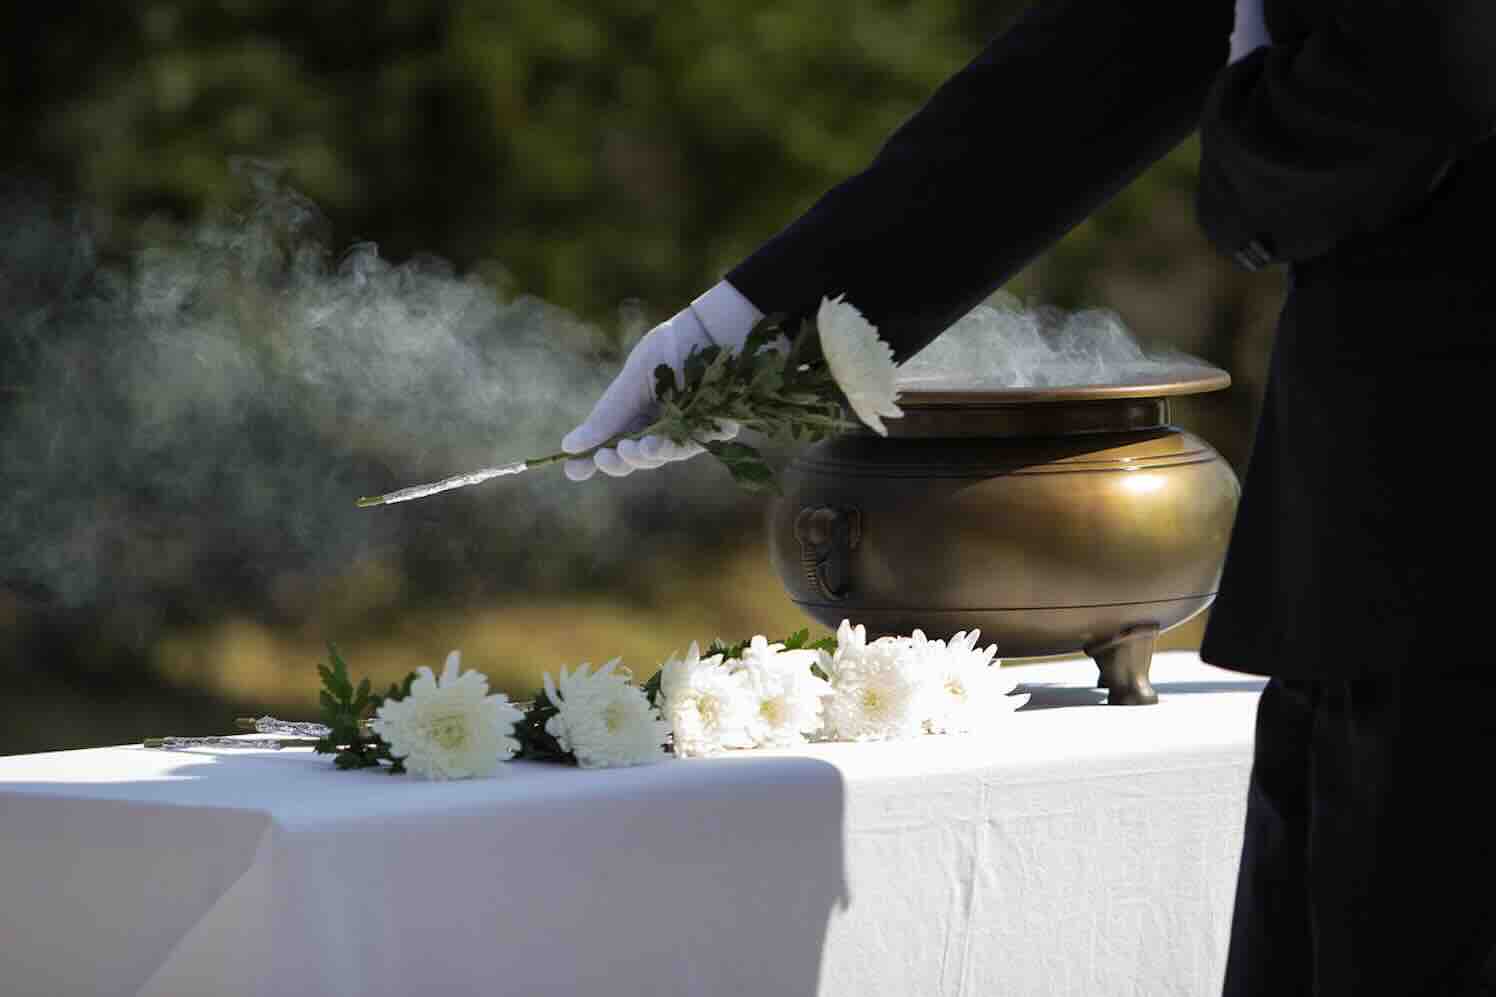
1346,130
1044,126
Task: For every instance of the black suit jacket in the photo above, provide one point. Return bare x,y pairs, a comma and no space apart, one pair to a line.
1355,148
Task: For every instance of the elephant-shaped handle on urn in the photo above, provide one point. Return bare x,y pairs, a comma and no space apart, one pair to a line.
828,535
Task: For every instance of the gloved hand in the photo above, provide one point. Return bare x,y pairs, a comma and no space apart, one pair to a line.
1250,32
628,404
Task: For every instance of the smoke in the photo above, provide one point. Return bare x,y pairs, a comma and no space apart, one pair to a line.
193,424
205,413
1002,344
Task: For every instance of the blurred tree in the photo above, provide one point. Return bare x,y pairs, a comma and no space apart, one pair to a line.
587,152
600,151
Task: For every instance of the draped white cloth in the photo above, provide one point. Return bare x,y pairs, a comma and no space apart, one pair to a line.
1072,849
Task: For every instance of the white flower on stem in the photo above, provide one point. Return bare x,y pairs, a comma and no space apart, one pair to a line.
861,363
706,704
878,690
602,719
969,689
449,727
786,697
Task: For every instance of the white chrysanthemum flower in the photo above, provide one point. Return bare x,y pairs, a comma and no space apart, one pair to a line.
878,690
969,688
786,697
707,706
861,363
603,719
449,727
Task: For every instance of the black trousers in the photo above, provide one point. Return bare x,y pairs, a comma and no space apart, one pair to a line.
1368,865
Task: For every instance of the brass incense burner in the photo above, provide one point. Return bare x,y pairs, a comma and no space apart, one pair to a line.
1054,519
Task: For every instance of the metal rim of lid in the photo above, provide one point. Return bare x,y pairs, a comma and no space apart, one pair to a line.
1193,379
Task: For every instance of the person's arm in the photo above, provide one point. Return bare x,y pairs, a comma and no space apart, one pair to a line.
1346,130
1043,127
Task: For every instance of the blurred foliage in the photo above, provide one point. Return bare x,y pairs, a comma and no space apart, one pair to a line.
600,151
588,152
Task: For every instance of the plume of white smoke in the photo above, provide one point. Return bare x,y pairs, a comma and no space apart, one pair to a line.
217,404
1002,344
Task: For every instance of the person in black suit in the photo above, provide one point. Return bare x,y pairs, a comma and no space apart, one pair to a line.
1356,148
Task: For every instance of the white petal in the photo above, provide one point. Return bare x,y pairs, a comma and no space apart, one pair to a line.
861,363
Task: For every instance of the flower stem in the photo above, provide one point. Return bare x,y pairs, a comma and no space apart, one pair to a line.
486,473
275,743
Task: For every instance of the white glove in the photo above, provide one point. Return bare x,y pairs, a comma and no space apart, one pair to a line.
1250,32
720,317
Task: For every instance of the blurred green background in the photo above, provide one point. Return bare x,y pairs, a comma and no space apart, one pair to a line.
608,158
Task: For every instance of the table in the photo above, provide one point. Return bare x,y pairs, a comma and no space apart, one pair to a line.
1072,849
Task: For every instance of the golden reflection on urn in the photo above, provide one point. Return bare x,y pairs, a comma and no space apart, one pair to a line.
1053,519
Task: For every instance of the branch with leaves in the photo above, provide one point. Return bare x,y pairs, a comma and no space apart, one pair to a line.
800,394
346,712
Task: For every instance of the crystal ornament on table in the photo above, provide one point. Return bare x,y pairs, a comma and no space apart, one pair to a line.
294,728
175,742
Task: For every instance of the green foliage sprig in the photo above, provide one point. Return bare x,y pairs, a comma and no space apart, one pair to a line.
346,711
537,744
797,641
788,395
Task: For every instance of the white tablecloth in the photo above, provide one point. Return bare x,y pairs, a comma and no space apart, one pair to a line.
1073,849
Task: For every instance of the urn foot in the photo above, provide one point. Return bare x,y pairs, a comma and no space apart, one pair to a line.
1123,661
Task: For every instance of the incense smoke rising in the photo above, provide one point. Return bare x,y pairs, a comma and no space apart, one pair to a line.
1005,345
216,405
212,407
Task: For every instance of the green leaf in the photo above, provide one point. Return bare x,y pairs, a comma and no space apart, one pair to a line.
339,683
746,466
733,452
729,652
719,365
343,710
806,348
537,743
756,478
665,386
764,332
651,688
796,640
695,366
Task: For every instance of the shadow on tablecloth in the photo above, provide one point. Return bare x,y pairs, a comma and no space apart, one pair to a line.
1052,695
